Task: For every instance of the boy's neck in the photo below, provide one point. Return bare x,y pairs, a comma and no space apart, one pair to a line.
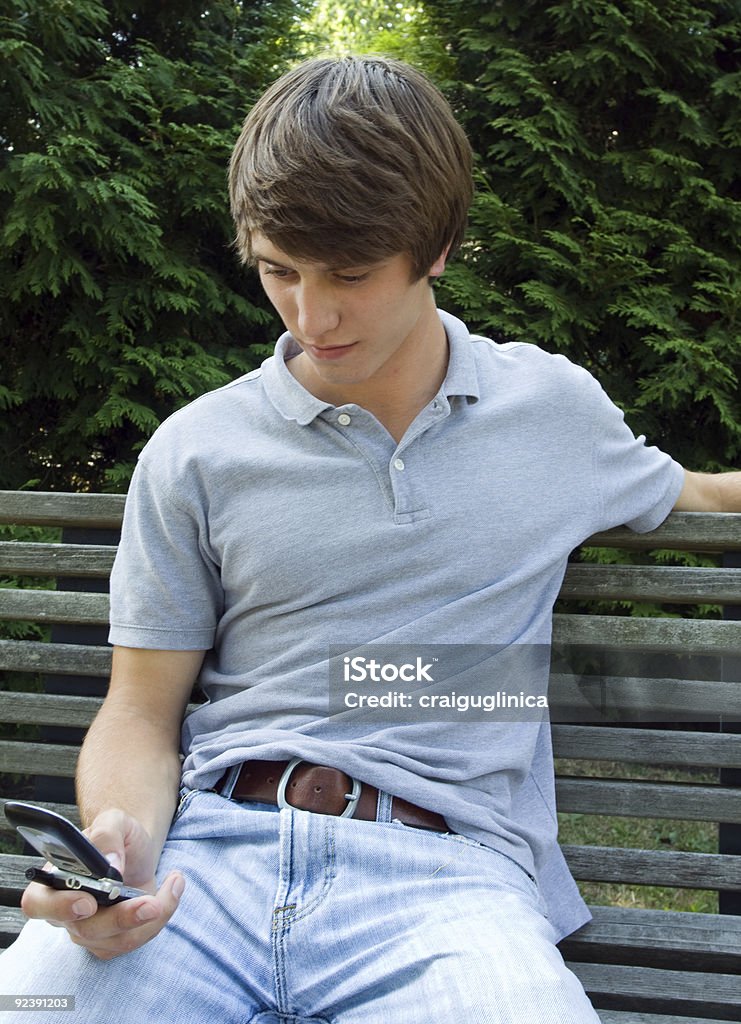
398,392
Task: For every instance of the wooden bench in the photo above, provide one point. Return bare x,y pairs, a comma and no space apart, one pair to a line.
639,966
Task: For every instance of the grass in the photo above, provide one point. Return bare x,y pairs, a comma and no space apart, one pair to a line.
640,833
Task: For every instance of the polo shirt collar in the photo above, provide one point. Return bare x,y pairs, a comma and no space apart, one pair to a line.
294,402
461,378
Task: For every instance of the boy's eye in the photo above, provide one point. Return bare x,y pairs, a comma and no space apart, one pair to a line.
275,270
268,268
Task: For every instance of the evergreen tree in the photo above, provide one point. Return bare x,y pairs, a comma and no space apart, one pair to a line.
388,27
121,296
608,217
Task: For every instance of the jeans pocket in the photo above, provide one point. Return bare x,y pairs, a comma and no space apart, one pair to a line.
515,870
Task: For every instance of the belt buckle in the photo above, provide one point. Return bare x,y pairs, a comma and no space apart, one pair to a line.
352,798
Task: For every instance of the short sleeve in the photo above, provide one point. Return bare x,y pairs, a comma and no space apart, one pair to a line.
165,585
637,484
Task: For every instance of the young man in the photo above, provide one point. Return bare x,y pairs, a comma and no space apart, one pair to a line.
385,482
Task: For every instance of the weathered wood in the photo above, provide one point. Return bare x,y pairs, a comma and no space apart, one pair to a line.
681,531
654,867
48,709
52,708
689,802
12,868
86,561
647,746
54,606
648,988
60,659
11,921
669,584
619,699
38,758
631,1017
658,938
47,508
700,636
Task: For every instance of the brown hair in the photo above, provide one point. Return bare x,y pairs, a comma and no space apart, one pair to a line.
350,160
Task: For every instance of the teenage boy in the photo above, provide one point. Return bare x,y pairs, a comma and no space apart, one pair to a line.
384,481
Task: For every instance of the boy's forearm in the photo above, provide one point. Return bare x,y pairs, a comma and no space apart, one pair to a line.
710,492
132,764
130,759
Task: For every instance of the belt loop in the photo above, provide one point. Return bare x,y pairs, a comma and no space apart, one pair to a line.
229,781
383,806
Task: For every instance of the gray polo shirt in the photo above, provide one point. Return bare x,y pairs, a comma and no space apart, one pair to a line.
275,530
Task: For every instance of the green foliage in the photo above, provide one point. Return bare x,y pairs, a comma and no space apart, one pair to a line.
121,296
388,27
608,213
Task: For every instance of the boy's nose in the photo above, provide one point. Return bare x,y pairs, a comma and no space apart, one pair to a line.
316,314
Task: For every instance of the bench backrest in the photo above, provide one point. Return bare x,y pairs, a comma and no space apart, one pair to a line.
51,689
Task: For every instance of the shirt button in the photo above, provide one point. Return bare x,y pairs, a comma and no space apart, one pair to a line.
399,464
344,420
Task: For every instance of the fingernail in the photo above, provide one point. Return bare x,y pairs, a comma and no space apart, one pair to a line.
82,909
114,860
178,886
147,912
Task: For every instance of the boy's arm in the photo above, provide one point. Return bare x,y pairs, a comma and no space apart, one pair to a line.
128,778
710,492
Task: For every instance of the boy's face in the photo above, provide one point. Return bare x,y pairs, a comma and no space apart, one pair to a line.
359,328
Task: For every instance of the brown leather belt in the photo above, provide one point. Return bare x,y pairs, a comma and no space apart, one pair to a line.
323,790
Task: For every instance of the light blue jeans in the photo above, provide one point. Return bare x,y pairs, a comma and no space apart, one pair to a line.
289,916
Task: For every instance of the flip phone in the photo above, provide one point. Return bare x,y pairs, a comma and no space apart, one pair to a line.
77,864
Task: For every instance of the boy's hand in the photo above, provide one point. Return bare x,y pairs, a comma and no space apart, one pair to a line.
110,931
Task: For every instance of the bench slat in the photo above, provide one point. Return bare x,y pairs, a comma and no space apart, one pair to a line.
629,700
671,584
47,508
681,531
56,759
649,634
86,561
648,800
594,743
654,867
631,1017
643,746
659,989
12,874
59,659
700,531
47,709
611,699
658,938
71,607
12,920
52,708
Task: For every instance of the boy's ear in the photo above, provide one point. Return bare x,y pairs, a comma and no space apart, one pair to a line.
438,266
